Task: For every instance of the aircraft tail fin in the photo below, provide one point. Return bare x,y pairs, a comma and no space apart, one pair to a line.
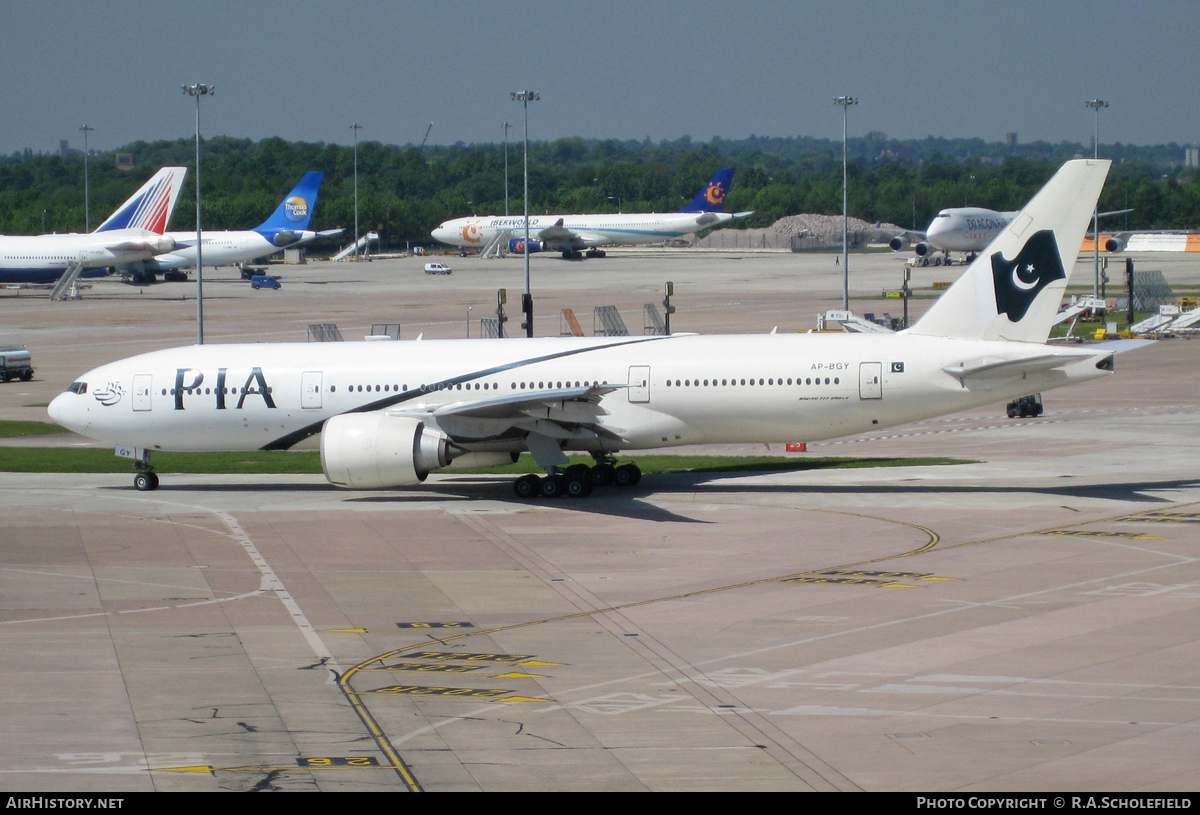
297,208
712,197
151,207
1013,289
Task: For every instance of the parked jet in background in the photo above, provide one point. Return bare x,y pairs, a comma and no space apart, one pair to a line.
287,227
388,413
574,234
134,232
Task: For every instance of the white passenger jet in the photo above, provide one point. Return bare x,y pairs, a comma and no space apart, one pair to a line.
390,412
287,227
958,229
970,230
134,232
574,234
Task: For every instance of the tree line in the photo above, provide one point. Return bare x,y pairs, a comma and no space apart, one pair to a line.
405,191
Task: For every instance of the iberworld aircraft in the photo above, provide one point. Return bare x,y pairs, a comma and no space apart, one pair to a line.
287,227
575,235
134,232
389,413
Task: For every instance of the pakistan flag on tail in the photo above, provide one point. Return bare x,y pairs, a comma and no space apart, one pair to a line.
1014,288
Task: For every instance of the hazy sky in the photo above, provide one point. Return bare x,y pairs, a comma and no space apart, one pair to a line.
305,70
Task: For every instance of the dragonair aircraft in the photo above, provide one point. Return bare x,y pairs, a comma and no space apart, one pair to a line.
389,413
958,229
574,234
134,232
287,226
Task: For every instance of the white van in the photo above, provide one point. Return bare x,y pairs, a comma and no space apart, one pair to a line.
437,268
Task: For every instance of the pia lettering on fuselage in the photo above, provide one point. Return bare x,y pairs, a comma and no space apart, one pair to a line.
189,382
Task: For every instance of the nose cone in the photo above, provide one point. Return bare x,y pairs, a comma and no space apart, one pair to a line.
443,234
59,409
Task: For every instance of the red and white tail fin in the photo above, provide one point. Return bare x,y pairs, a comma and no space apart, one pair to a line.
151,207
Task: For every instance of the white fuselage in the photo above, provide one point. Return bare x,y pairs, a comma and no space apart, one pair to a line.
43,258
224,248
966,229
699,389
593,230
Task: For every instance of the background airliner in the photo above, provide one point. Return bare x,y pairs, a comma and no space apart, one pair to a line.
970,230
133,232
574,234
287,226
389,413
958,229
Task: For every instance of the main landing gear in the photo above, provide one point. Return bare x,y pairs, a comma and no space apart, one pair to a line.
577,481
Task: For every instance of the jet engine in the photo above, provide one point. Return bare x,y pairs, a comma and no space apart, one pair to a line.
924,248
897,243
284,237
376,451
1114,244
517,246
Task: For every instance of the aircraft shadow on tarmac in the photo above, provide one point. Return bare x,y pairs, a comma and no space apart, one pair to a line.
623,502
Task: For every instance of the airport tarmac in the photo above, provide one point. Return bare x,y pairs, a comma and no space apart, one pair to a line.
1022,622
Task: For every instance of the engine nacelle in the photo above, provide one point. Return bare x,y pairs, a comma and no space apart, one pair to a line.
517,246
897,243
284,237
924,249
366,451
1114,244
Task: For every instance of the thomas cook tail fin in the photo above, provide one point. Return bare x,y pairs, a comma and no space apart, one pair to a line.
151,207
712,197
297,208
1013,289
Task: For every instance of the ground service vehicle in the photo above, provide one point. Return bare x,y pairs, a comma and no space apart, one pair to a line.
15,363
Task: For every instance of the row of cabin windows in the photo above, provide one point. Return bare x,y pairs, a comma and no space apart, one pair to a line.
695,383
686,383
208,391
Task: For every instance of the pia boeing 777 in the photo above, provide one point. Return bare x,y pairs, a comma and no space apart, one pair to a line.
390,413
573,235
134,232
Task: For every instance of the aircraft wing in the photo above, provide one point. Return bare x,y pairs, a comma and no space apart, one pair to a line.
562,413
559,237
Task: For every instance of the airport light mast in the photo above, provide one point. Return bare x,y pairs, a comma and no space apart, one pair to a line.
356,127
506,127
845,102
87,209
525,97
1096,105
197,91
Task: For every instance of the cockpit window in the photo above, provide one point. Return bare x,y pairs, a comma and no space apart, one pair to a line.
78,387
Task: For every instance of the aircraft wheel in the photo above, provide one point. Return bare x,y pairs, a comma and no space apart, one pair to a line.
601,475
553,486
528,486
577,471
145,482
578,487
627,475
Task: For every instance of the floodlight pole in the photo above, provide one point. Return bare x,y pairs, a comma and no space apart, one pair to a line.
87,209
1095,105
525,97
356,127
845,102
506,127
197,91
